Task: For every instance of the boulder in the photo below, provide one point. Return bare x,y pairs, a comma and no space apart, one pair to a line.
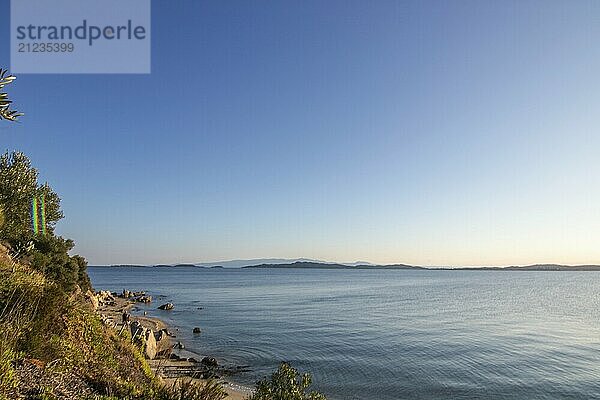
166,306
210,362
136,329
150,348
197,330
143,299
92,299
144,337
179,346
105,298
163,343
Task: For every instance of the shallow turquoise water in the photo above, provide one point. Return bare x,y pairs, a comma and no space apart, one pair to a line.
390,334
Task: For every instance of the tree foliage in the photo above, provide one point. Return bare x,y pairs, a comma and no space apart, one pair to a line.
18,186
47,252
50,256
286,384
5,111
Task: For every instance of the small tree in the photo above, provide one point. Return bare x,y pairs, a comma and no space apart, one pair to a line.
18,188
47,252
5,111
286,384
9,174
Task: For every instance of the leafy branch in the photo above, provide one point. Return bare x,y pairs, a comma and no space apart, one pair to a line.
5,111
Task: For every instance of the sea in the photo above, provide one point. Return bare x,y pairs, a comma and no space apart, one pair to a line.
387,334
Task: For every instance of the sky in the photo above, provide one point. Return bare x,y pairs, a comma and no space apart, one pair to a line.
420,132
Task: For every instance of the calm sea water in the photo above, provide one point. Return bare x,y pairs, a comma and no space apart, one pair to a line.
390,334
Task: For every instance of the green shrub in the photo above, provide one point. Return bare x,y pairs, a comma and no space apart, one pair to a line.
50,256
189,390
286,384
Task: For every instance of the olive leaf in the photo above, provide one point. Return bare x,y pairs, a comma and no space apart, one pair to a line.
5,111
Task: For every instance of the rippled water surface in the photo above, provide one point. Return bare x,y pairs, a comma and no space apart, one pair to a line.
390,334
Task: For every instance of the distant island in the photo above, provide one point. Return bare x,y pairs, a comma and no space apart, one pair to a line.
537,267
542,267
322,265
293,264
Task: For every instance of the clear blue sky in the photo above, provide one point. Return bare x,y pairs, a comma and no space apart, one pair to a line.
424,132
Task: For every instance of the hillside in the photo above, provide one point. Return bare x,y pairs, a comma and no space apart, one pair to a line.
54,346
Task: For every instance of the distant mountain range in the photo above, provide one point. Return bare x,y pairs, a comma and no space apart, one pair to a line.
244,263
317,264
320,265
255,261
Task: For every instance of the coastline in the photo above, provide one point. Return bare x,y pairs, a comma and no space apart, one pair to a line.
111,314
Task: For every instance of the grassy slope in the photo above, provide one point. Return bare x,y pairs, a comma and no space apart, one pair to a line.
53,346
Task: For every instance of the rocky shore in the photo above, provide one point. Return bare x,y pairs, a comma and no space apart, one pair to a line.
160,346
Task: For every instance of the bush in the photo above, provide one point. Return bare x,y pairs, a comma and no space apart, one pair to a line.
50,256
190,390
286,384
